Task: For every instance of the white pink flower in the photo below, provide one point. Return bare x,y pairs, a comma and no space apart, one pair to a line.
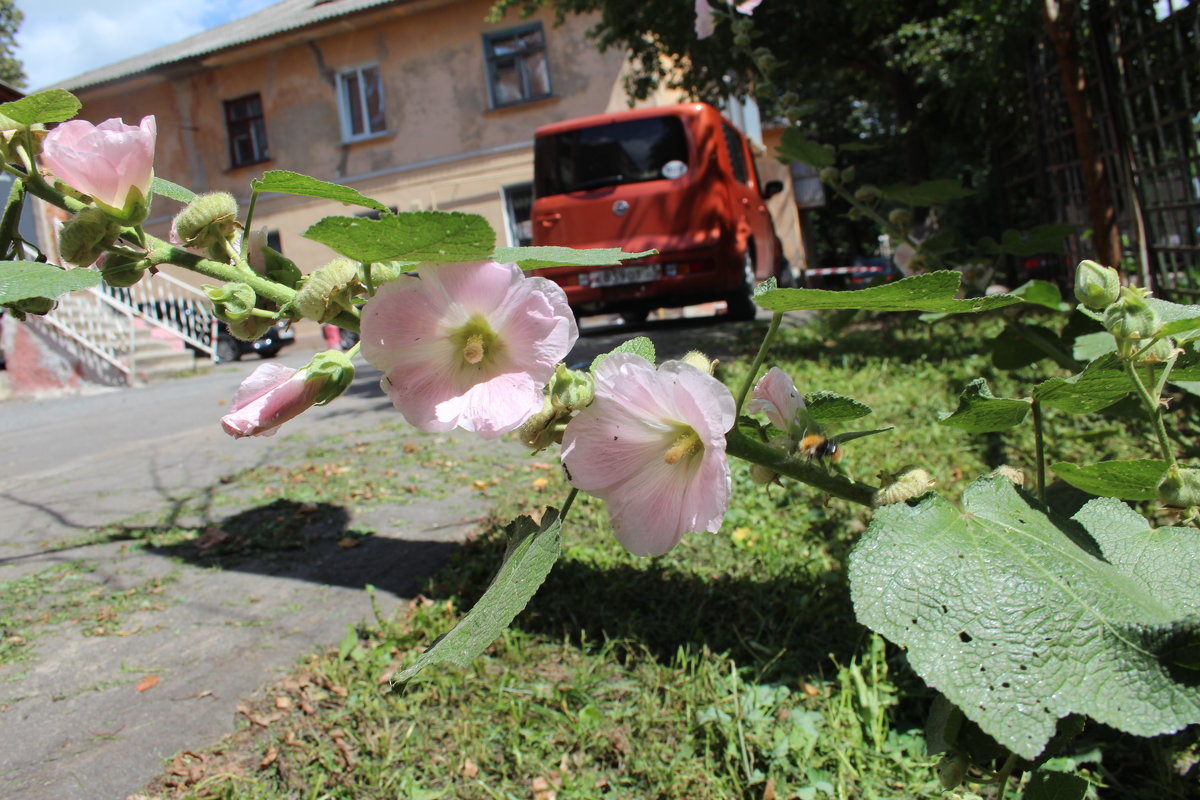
269,397
775,395
652,444
704,17
469,345
106,161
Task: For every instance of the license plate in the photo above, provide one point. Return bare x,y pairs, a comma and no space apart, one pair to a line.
619,276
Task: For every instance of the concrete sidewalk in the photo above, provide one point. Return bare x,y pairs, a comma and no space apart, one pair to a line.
74,723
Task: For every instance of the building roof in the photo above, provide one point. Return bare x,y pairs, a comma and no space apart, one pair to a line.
287,15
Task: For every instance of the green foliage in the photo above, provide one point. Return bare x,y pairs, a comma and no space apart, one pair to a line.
165,188
24,280
825,407
285,182
55,105
927,193
1127,480
541,257
11,70
1035,241
979,411
531,552
639,345
934,291
415,237
795,146
1002,609
1042,293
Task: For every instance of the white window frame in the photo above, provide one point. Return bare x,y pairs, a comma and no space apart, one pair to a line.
343,100
511,223
492,61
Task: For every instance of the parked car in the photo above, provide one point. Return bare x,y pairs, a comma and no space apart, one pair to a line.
189,317
677,179
230,348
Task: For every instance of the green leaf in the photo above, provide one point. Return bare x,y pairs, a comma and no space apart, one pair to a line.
1090,346
826,407
795,146
286,182
1002,610
1037,241
1175,318
1041,293
542,257
933,291
639,346
927,193
173,191
418,236
981,412
1128,480
531,553
23,280
1102,383
1020,345
55,105
849,436
1046,785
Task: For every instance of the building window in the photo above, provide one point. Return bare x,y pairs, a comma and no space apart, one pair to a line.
247,130
517,69
360,97
518,202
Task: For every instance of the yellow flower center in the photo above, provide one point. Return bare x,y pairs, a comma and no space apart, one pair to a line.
685,445
473,350
477,342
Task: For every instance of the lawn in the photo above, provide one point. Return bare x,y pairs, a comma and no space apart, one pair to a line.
731,667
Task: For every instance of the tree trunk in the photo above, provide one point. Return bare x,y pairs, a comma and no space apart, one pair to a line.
1059,17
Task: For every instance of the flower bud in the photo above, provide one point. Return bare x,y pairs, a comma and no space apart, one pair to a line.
1180,487
538,432
1096,287
700,361
865,194
849,174
122,271
208,223
30,305
829,174
900,217
765,59
232,302
1160,351
742,40
84,238
572,389
274,394
912,482
327,291
335,369
113,163
1131,317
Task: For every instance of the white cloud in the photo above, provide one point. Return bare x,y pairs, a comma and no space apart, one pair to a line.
60,39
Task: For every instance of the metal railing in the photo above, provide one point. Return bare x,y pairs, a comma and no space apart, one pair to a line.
171,304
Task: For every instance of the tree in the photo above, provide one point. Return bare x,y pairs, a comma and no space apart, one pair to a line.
11,69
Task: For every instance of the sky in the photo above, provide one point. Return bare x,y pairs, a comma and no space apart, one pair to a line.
60,39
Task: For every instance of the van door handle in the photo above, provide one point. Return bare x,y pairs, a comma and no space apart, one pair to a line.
548,220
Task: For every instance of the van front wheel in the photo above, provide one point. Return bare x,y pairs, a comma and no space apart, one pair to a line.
740,304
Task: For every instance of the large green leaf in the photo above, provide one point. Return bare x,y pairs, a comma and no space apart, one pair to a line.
542,257
933,291
1176,319
286,182
1004,611
1042,293
639,346
531,552
1105,381
1128,480
416,236
55,105
794,146
825,407
927,193
23,280
1039,240
979,411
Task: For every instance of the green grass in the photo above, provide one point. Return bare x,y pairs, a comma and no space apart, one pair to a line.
731,667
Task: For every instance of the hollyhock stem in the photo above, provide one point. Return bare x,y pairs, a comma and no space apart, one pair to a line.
748,449
759,358
566,506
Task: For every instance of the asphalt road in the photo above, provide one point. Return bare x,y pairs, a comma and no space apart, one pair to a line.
73,723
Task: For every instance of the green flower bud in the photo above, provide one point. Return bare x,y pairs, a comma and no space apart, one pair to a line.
335,367
866,194
849,174
952,768
1180,487
121,270
208,223
86,236
700,361
386,271
765,59
538,432
572,389
232,302
900,217
327,291
250,328
31,305
912,482
741,40
1131,317
1096,287
829,174
1160,351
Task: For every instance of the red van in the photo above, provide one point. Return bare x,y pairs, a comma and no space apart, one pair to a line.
677,179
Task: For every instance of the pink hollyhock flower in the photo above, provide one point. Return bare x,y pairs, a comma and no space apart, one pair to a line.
775,395
704,18
106,161
652,444
469,345
271,396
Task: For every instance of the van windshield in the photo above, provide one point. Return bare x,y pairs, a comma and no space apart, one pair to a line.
607,155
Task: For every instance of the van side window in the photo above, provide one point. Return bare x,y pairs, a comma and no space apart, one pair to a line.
737,155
